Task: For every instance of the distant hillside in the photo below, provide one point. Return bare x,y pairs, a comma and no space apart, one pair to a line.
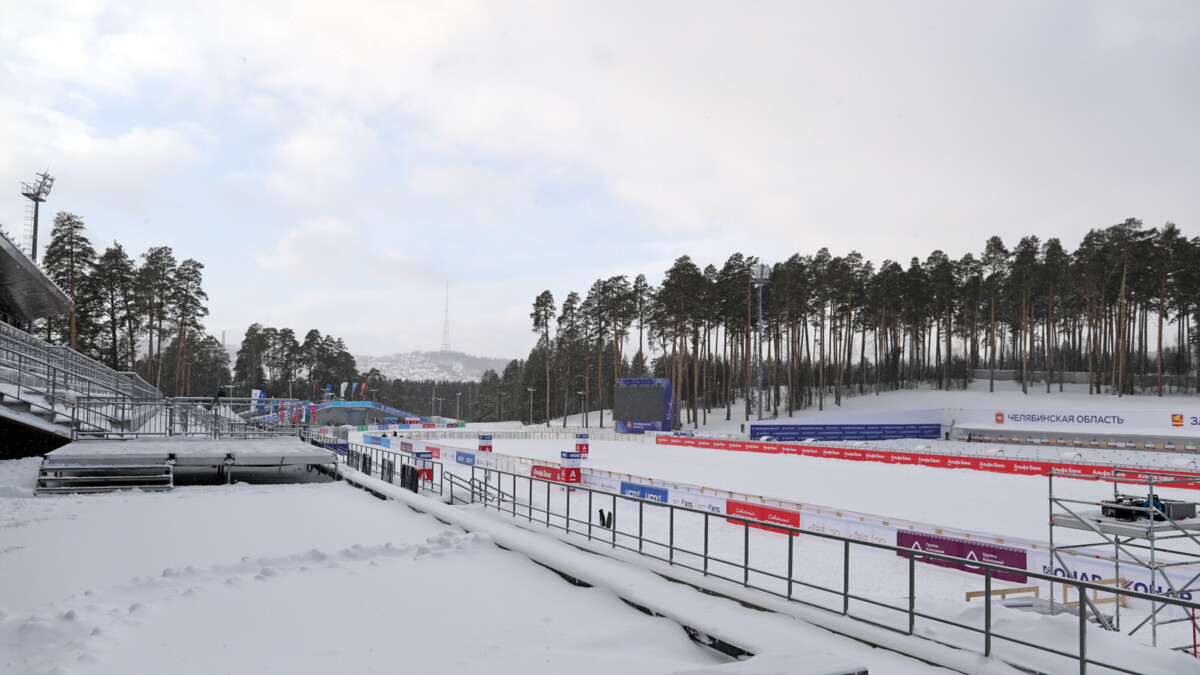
431,365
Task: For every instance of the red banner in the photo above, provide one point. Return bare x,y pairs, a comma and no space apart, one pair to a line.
768,514
1010,466
547,472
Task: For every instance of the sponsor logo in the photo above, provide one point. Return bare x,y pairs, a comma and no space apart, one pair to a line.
999,418
1176,420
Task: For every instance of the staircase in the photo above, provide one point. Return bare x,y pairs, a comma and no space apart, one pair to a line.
103,475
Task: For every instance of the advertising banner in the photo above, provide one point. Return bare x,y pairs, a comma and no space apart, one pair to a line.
976,463
581,445
847,527
485,442
546,472
769,514
966,549
602,483
694,500
1184,420
570,466
647,492
844,432
464,458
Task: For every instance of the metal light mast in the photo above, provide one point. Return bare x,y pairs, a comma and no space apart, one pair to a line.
37,192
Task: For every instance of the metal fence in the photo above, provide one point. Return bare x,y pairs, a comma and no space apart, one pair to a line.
102,417
65,367
711,547
383,464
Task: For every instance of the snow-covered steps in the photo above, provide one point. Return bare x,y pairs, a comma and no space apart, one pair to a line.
103,476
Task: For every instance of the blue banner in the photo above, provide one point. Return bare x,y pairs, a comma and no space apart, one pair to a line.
639,427
464,458
844,432
647,492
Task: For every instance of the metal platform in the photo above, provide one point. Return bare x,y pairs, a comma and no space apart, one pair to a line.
1140,529
125,464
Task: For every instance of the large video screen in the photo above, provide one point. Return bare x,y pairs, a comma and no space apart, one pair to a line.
639,404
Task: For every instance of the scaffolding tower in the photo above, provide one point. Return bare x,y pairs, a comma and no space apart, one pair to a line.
1145,534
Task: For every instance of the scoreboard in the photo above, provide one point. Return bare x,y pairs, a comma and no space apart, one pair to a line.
642,405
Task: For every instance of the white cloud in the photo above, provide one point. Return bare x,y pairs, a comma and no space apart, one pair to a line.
312,249
322,159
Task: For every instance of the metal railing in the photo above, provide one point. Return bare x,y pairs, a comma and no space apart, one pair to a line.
71,369
384,464
103,417
629,528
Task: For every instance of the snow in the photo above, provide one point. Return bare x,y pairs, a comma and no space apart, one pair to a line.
317,576
292,579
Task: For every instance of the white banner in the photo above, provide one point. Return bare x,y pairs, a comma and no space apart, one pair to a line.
1183,420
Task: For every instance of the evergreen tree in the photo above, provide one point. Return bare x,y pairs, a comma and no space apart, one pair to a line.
69,260
114,279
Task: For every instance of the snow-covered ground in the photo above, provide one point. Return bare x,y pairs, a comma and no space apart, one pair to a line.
308,578
318,576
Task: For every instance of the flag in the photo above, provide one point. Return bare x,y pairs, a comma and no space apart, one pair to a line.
342,393
329,388
364,389
353,387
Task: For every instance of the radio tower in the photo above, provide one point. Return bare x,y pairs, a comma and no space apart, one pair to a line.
446,325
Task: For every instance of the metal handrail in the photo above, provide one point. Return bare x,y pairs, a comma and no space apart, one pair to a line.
438,480
50,358
675,553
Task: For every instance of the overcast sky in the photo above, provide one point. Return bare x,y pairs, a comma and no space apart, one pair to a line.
335,165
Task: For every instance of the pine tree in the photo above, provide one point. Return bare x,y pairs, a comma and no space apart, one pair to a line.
542,315
69,260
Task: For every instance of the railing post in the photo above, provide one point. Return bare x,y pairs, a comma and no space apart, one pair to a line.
671,538
987,611
640,521
706,544
746,554
1082,630
791,556
845,578
912,592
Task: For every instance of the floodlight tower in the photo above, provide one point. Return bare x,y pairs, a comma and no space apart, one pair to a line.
37,192
759,277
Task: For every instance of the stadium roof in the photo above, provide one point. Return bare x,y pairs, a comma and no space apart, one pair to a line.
25,291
